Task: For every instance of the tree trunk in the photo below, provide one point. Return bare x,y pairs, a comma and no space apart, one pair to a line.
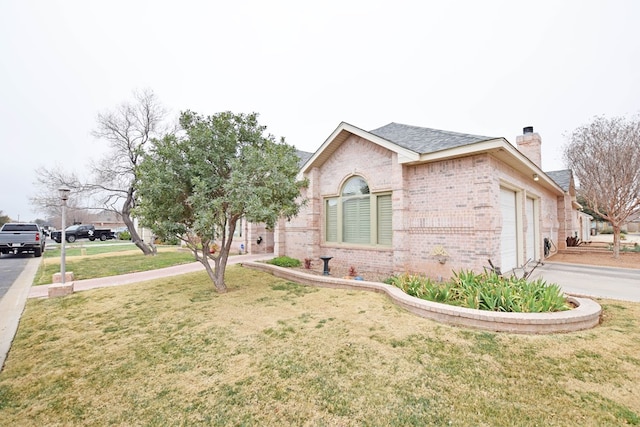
221,260
616,241
126,217
217,275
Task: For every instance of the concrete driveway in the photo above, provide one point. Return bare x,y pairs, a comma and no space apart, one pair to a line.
597,282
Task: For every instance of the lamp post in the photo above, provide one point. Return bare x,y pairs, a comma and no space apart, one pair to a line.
64,195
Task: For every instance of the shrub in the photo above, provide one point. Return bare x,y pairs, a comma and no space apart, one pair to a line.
169,241
285,261
124,235
486,291
634,248
307,263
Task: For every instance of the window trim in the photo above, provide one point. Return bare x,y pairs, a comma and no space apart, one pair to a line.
374,240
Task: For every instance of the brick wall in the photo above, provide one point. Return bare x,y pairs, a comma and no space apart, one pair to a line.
453,204
303,236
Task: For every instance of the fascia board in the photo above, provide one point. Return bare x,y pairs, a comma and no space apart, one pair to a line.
404,155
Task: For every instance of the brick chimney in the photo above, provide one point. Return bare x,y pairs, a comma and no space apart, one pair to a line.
529,144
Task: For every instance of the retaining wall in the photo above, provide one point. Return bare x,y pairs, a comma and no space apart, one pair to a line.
586,315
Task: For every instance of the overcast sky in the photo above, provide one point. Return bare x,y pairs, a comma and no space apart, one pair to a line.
480,67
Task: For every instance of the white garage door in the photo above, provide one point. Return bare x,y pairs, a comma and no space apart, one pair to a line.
508,239
531,230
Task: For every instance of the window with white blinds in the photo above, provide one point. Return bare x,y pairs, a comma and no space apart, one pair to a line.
356,220
384,219
357,216
331,220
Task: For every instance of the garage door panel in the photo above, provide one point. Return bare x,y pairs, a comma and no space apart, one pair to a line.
508,234
531,229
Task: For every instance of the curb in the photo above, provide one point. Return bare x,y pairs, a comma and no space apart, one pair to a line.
12,305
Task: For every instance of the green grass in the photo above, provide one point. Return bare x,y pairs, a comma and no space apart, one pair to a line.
109,264
87,247
272,352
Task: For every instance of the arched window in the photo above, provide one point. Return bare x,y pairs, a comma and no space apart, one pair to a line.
356,211
358,216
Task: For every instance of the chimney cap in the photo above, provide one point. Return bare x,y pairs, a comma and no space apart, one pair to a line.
528,129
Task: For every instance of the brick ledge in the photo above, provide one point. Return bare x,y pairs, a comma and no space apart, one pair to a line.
585,316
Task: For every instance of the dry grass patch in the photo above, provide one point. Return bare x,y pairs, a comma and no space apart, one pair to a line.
271,352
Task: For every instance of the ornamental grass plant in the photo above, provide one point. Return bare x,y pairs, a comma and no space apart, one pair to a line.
486,291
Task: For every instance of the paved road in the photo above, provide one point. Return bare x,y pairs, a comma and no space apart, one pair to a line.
10,268
598,282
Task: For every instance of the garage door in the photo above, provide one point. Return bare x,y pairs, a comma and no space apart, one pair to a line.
531,230
508,239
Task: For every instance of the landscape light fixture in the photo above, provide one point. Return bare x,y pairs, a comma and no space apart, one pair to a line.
64,196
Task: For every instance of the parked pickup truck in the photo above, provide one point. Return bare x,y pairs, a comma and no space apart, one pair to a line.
75,232
22,237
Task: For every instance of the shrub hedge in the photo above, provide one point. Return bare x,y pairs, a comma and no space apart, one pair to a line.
285,261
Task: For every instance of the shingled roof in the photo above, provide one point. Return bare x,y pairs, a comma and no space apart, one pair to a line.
562,178
303,156
425,140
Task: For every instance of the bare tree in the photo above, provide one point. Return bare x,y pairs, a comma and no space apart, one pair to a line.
605,157
48,181
128,129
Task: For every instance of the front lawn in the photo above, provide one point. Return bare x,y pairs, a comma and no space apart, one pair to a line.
272,352
87,247
104,263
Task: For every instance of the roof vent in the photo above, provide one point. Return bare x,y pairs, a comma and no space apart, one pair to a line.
528,129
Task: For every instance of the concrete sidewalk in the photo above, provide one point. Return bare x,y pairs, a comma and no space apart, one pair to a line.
13,303
126,279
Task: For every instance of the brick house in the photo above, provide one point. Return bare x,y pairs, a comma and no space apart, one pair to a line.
395,199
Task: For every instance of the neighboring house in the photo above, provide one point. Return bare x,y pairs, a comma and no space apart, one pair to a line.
634,224
388,200
582,223
106,219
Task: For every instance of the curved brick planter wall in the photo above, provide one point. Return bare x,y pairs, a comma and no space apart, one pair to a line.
585,316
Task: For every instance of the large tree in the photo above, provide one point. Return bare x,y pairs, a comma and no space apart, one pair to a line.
196,185
128,130
605,157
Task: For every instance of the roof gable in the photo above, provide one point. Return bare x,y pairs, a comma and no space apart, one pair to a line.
425,140
342,133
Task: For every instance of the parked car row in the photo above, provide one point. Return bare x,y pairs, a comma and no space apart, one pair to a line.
19,237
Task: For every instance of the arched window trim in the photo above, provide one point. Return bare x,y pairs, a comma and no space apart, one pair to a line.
357,216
